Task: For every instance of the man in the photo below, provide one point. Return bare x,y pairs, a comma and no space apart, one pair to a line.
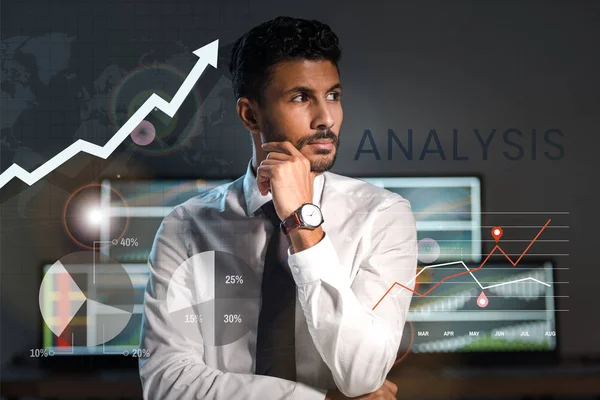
314,331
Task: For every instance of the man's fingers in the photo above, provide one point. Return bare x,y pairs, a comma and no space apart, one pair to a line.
391,385
263,178
387,391
275,155
264,187
284,147
271,162
264,174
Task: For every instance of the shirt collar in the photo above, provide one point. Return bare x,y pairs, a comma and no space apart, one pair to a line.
255,200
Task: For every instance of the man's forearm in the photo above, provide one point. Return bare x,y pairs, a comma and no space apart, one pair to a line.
357,346
358,342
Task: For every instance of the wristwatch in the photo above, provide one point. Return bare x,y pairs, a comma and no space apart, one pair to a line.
307,216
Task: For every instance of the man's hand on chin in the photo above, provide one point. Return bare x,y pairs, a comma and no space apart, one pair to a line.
387,391
286,173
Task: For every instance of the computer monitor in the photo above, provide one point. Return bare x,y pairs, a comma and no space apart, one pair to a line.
79,307
137,208
447,211
494,307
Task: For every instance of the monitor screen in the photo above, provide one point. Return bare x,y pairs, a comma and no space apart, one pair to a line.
79,308
488,307
136,210
447,211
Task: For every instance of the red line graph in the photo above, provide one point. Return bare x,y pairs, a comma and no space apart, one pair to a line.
497,247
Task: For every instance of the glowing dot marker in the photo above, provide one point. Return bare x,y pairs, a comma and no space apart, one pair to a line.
497,233
143,134
95,217
482,300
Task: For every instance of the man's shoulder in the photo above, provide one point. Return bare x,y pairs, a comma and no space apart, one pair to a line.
205,201
364,194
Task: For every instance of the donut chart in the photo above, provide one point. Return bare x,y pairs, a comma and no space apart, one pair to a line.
208,295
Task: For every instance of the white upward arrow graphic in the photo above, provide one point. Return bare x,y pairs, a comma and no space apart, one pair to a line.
207,54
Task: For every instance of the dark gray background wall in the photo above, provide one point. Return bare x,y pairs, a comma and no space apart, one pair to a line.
406,65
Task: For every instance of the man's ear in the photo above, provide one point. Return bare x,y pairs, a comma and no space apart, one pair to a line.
247,112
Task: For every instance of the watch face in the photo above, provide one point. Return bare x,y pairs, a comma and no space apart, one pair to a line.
311,214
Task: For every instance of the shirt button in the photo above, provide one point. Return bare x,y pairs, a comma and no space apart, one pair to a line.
348,238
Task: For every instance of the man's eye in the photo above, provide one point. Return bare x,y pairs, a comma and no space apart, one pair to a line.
301,96
336,95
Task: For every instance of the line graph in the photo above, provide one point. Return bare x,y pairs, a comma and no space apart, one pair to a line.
207,55
496,232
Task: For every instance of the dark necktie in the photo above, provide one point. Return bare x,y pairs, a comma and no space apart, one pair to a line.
275,349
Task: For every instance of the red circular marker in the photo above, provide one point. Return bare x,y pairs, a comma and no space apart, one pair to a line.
482,300
497,233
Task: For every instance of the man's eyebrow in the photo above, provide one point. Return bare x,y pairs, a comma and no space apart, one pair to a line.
309,90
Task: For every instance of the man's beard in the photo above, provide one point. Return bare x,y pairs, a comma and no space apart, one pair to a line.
325,163
319,165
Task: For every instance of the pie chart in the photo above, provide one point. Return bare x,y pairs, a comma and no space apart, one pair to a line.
86,298
209,295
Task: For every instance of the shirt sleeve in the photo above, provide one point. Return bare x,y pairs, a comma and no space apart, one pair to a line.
175,368
358,341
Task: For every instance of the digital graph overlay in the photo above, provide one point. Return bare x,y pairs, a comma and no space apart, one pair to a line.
207,55
209,297
83,305
482,301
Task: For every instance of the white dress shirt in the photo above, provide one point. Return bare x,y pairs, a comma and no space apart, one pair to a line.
370,242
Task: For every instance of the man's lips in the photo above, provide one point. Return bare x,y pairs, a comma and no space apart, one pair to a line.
323,141
322,144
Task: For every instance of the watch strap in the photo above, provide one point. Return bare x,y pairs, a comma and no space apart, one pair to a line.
291,222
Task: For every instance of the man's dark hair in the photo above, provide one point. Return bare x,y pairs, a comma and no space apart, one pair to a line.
280,39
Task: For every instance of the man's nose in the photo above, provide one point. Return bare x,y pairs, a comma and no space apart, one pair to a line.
323,119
